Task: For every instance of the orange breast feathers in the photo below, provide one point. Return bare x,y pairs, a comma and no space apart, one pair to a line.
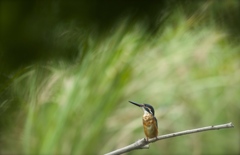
150,126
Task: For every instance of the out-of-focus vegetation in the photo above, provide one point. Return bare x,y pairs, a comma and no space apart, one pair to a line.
184,62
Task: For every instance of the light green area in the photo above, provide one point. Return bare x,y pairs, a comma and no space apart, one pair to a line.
189,73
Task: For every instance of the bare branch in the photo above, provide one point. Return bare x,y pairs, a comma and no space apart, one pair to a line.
142,143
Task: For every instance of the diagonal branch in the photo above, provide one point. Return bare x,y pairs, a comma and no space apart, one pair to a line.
142,143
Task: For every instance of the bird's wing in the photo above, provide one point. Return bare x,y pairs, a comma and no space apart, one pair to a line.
156,121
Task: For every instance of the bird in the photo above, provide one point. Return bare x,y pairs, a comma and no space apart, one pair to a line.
150,123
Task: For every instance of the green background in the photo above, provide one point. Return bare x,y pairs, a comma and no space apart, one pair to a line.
69,68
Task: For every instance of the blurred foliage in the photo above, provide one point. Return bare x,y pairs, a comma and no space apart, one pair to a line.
41,30
68,70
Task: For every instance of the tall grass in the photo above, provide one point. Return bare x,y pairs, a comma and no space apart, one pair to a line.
189,73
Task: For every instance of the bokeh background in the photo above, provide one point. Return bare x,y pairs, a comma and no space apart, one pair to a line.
69,68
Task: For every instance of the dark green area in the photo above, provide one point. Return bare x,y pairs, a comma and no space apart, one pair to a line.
41,30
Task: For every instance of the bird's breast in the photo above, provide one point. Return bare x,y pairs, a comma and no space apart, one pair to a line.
149,126
148,120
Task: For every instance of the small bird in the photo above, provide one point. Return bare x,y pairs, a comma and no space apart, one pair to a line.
150,124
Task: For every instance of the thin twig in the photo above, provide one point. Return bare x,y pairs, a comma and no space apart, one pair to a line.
142,143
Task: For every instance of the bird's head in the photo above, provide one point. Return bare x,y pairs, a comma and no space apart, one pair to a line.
147,108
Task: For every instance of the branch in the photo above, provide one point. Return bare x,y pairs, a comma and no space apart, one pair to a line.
142,143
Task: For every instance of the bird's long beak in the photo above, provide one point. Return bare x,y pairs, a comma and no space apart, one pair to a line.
139,105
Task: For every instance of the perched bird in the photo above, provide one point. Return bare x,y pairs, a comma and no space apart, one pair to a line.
150,124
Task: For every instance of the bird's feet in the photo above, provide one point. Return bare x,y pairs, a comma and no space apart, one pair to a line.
146,139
